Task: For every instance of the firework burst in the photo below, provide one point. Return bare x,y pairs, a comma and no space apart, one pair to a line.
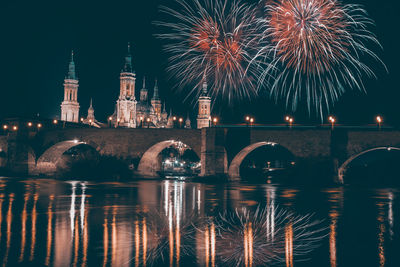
215,40
317,49
265,237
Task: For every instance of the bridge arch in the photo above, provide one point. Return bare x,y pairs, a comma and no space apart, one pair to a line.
149,164
47,162
234,167
343,168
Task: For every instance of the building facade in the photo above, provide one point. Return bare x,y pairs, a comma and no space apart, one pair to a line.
130,112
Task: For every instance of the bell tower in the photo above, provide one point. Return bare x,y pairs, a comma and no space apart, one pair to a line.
126,103
70,105
204,114
156,101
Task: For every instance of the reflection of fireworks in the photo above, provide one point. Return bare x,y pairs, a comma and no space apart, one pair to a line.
316,47
258,239
216,39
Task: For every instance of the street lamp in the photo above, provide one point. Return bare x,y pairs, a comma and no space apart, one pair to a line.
379,120
118,120
215,120
55,121
39,125
29,124
109,121
332,121
180,122
289,120
251,121
148,122
15,128
247,120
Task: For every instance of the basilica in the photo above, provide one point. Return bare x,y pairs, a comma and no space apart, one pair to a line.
130,111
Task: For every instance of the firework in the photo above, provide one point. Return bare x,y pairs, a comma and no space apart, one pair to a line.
265,237
214,40
317,49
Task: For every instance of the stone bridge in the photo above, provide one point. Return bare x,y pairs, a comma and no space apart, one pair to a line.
221,149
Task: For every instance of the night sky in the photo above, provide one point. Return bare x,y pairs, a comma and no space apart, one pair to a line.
37,38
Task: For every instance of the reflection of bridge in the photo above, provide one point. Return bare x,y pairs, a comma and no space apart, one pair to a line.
221,149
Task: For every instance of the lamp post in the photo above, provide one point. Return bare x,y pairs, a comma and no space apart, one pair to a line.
251,121
215,120
247,120
109,121
332,121
379,120
174,119
180,122
118,120
148,123
289,121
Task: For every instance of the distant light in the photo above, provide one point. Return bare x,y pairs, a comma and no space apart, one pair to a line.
82,119
5,127
291,120
379,119
180,120
389,148
15,128
55,121
29,124
75,141
90,121
119,120
247,118
148,119
109,118
39,125
174,118
215,120
287,118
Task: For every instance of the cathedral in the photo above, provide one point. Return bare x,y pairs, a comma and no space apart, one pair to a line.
130,112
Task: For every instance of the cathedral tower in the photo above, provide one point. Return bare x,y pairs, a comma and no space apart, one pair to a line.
204,115
156,101
126,103
70,105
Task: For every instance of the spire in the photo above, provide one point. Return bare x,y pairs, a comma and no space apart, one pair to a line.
144,82
91,103
204,89
128,60
71,68
155,94
164,111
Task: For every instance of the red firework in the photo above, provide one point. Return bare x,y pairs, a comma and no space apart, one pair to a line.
310,35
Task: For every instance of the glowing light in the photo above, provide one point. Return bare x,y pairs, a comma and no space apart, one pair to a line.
15,128
5,127
39,125
29,124
110,118
55,121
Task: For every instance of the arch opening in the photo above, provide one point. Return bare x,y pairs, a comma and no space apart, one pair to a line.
262,159
376,165
68,158
169,158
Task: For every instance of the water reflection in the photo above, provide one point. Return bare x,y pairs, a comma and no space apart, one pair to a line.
174,223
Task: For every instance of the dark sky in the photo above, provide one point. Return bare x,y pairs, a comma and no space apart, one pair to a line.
37,38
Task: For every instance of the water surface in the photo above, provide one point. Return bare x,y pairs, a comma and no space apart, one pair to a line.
176,223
